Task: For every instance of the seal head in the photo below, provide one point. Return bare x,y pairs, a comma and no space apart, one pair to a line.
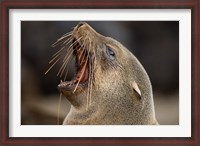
110,85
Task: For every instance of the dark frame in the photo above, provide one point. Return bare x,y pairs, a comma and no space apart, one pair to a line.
89,4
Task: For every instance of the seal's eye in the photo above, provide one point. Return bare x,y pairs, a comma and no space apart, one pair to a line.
110,52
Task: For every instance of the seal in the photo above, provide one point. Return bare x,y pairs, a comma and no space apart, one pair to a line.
110,86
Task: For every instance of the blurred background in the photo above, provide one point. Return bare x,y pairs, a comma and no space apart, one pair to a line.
154,43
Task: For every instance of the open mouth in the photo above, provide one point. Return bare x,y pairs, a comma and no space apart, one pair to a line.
83,61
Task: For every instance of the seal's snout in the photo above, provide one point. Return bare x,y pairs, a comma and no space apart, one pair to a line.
81,24
83,27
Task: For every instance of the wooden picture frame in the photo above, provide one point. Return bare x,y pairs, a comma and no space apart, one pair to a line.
7,5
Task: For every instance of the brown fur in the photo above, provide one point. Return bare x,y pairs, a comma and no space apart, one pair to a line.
113,99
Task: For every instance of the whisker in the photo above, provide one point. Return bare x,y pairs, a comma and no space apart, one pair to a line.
58,52
69,40
65,36
54,58
91,84
65,62
69,49
58,116
52,66
83,44
88,92
65,75
89,88
73,27
60,40
67,70
83,52
68,53
68,33
75,42
67,58
82,71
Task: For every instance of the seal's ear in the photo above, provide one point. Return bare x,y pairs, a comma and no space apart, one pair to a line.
136,88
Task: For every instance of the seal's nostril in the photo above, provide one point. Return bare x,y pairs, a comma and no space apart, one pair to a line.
80,24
